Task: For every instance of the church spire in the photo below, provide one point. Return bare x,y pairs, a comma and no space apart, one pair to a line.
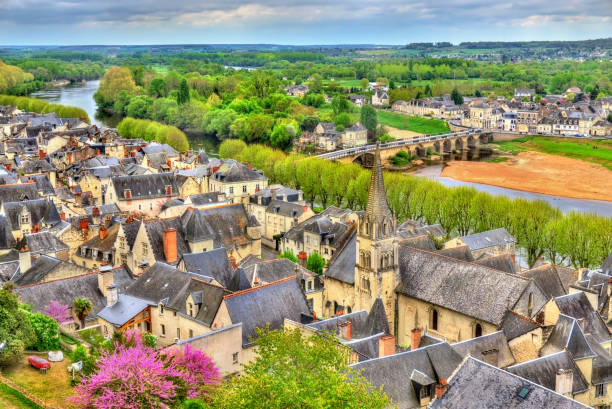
377,208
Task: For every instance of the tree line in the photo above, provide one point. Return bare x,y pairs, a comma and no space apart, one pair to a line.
153,131
580,239
40,106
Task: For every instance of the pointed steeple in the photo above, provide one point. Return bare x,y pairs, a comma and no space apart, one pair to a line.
377,207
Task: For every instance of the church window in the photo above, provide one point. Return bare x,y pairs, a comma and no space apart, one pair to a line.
434,320
478,331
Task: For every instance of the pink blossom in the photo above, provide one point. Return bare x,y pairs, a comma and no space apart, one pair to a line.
58,311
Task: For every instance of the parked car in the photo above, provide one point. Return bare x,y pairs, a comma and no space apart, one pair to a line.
39,363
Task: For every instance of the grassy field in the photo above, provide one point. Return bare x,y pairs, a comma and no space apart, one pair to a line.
414,124
11,399
52,388
590,150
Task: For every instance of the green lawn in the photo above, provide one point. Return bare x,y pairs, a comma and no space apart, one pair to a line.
414,124
12,399
590,150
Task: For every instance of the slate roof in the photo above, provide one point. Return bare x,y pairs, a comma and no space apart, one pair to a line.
412,228
332,233
567,335
543,371
155,231
273,270
123,310
502,262
363,324
225,225
514,325
154,147
455,284
268,304
146,186
19,192
66,290
205,198
36,166
131,231
341,266
233,171
396,373
6,235
602,364
8,269
286,209
477,385
547,279
44,243
43,185
577,306
460,253
164,283
212,263
40,268
487,239
423,242
41,211
476,346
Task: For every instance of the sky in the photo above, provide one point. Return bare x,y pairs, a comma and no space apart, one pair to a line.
77,22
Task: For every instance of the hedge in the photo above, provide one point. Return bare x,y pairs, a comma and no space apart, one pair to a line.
40,106
153,131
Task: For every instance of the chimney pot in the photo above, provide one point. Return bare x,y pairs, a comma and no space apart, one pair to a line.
103,232
112,295
386,345
345,330
564,381
25,259
416,338
441,388
170,245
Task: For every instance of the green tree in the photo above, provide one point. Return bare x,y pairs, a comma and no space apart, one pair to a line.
46,331
292,370
139,106
316,83
115,80
364,82
457,97
282,135
315,263
231,148
182,97
342,120
82,307
157,87
369,118
288,254
310,123
15,328
218,121
122,102
340,104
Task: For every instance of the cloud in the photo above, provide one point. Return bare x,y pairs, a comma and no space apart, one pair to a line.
316,21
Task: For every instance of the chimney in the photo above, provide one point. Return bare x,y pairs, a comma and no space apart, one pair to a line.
386,345
103,232
564,381
582,273
491,357
345,330
233,261
441,388
95,211
416,338
111,295
170,245
70,158
25,259
303,258
63,216
41,154
105,279
8,167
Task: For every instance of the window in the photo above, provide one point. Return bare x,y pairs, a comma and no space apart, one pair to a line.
600,390
231,190
235,357
434,320
425,392
145,249
25,219
190,333
190,309
178,333
163,330
309,285
244,189
478,331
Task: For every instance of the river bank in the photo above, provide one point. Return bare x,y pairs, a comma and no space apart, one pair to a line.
565,204
539,173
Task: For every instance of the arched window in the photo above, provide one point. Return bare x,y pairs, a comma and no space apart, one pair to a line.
530,305
349,310
434,320
478,331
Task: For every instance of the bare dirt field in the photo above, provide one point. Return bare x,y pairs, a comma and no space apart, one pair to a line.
401,133
540,173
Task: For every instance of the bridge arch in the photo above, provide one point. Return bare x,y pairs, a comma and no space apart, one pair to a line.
366,160
458,144
484,138
471,142
448,146
421,151
437,147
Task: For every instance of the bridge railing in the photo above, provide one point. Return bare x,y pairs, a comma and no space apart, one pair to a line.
394,144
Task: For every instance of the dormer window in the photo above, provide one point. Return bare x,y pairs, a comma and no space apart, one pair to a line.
83,251
127,193
25,219
168,190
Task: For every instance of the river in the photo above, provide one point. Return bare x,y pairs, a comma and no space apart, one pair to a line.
81,95
566,204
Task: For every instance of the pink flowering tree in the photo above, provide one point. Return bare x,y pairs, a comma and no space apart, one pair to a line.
135,376
58,311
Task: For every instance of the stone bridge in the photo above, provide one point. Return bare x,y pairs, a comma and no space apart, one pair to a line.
417,146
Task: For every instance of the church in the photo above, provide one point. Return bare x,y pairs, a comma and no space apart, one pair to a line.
446,293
